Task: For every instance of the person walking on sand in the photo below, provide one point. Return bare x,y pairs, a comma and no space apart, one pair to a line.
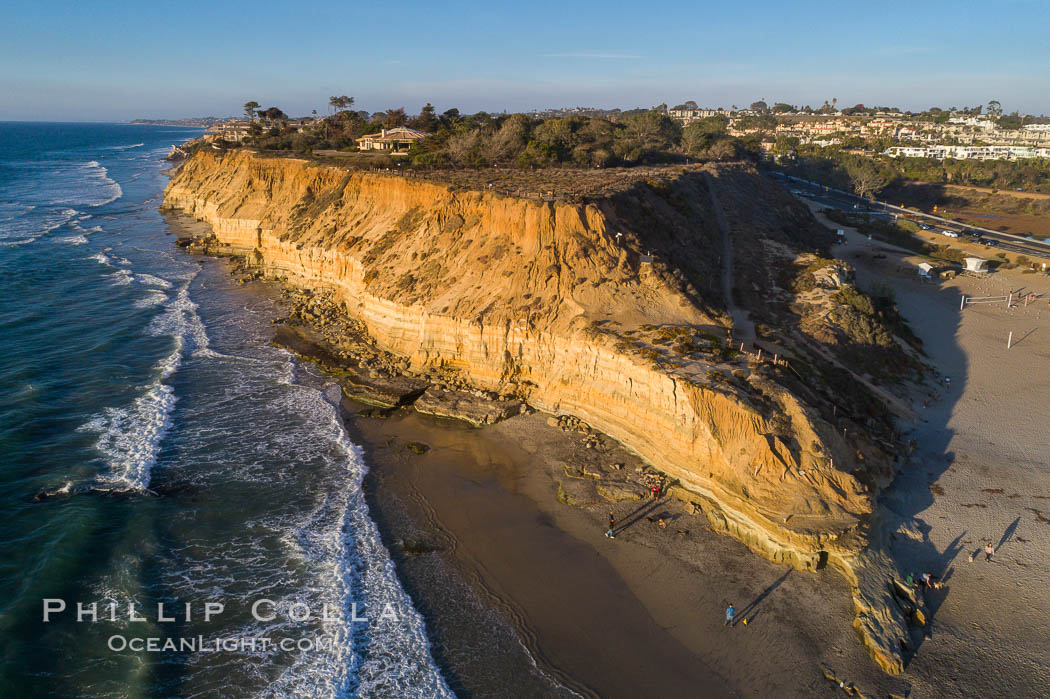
730,613
989,551
612,523
947,384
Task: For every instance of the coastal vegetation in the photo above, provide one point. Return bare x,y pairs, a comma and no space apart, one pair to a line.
522,141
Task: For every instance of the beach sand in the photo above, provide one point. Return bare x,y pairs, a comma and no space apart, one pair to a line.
524,596
981,473
641,615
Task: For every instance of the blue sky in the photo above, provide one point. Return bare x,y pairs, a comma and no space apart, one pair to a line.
115,60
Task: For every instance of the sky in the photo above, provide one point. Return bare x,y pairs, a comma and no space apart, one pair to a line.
109,60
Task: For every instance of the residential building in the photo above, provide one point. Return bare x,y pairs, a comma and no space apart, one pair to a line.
397,140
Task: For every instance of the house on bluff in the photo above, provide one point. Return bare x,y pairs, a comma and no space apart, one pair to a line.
396,140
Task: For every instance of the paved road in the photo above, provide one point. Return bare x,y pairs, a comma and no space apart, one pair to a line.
837,199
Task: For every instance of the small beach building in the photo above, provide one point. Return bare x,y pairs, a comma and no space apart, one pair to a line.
396,140
976,264
925,270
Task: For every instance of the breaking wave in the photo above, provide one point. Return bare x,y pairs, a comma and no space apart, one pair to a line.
130,437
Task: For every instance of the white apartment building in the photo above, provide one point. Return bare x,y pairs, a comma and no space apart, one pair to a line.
968,152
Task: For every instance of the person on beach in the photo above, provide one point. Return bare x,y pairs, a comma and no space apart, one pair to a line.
730,613
612,523
989,551
927,580
947,384
655,490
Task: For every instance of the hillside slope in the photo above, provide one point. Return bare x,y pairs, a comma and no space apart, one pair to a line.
608,310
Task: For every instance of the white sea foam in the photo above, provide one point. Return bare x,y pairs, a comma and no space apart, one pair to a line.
73,239
342,543
151,280
108,189
129,147
130,437
121,277
153,297
23,224
181,320
102,258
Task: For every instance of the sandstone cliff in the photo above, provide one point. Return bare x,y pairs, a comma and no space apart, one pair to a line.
607,310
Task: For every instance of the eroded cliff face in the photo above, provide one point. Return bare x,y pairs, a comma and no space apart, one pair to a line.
543,300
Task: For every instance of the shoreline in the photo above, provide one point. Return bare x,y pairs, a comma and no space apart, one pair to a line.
672,583
802,637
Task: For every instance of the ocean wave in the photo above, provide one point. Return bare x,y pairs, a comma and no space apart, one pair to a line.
102,258
180,319
152,280
109,190
129,147
130,437
73,239
121,277
342,544
153,297
19,228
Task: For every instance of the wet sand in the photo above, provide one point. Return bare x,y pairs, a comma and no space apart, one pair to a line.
641,615
577,618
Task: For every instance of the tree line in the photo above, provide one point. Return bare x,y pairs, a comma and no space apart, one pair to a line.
514,140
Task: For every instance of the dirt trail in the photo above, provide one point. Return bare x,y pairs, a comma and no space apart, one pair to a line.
743,328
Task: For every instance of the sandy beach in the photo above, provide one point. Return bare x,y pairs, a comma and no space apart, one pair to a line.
498,536
981,474
642,615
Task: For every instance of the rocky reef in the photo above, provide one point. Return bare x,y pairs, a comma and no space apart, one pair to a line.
609,310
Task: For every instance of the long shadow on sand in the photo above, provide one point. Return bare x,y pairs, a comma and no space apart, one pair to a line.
749,612
934,316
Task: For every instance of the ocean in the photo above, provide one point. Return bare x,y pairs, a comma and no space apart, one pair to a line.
181,500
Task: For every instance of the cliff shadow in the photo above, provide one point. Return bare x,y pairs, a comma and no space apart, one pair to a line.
935,316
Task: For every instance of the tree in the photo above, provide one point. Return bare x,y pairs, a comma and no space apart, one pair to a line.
994,108
1012,120
866,179
650,132
249,109
272,114
782,108
698,136
759,106
427,120
340,103
450,117
394,117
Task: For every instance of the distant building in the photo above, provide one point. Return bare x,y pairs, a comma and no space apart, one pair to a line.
235,131
688,116
396,140
968,152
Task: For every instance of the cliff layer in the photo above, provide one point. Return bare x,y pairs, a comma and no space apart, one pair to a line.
607,310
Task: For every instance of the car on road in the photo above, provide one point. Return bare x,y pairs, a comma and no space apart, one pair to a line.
992,243
949,234
924,226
